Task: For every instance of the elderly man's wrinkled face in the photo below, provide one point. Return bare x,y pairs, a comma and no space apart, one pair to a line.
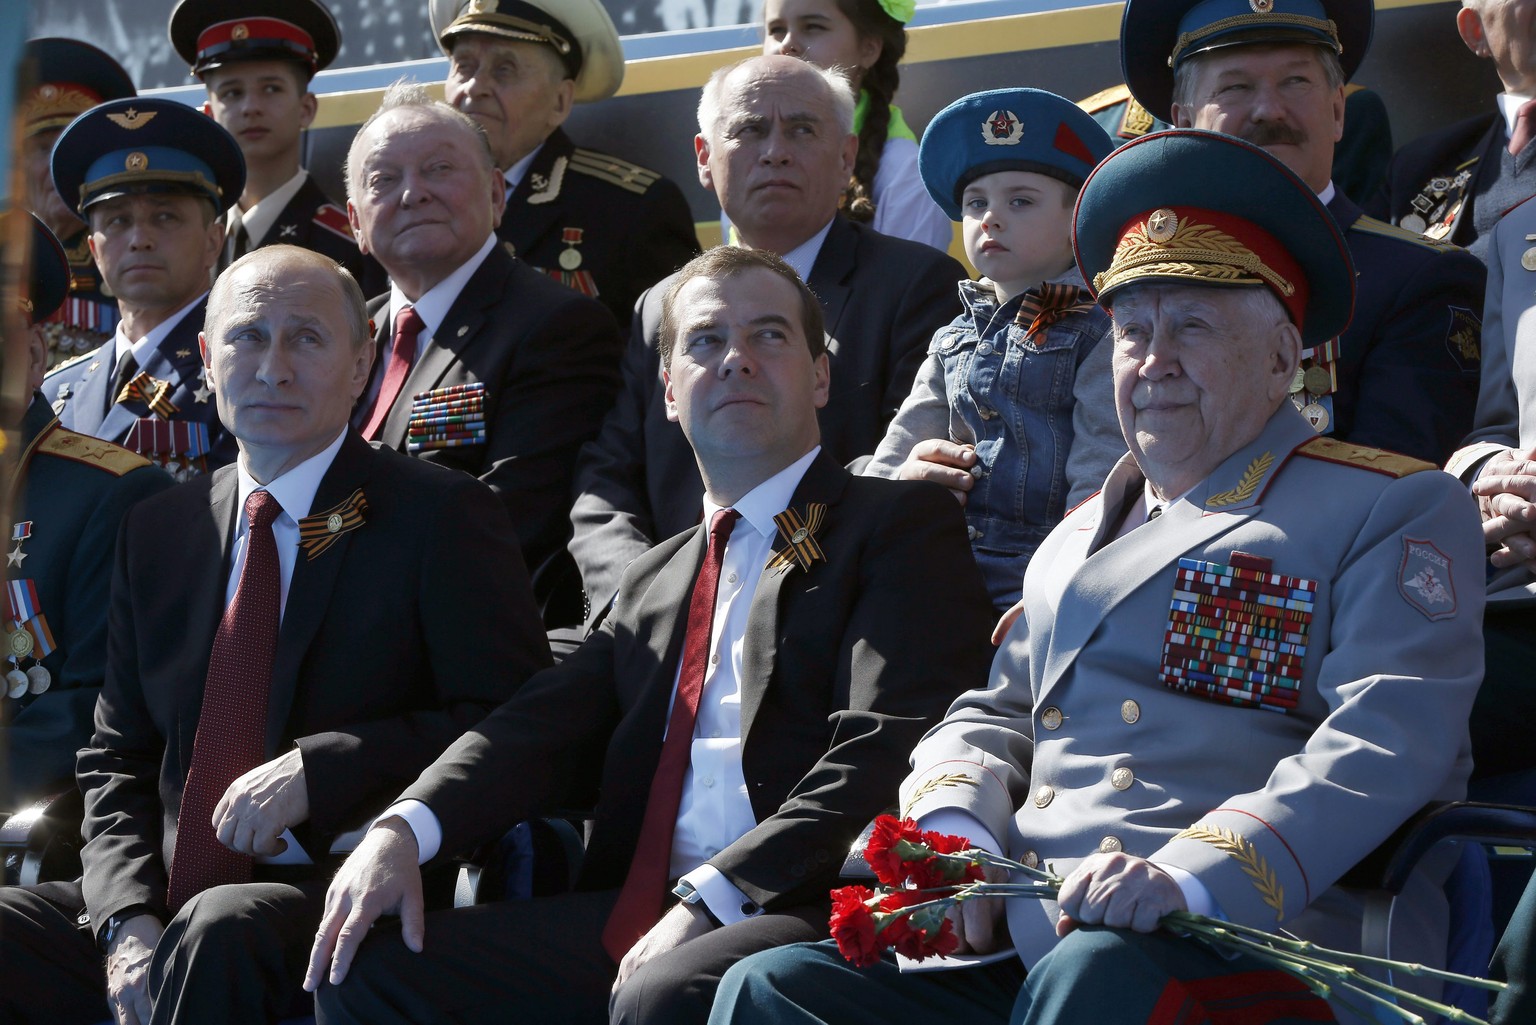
776,157
282,361
1277,97
1505,32
518,91
1198,372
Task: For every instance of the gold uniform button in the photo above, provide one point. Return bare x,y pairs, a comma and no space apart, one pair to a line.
1109,845
1051,718
1122,778
1029,859
1044,796
1130,711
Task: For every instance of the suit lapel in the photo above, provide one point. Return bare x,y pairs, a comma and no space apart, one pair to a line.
309,592
457,335
531,214
207,554
825,482
1111,574
829,274
1490,158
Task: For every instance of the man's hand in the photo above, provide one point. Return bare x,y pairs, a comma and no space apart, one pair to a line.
381,877
1506,497
977,921
943,462
678,926
128,968
257,807
1117,890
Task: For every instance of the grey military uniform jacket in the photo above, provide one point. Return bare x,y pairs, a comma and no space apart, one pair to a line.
1081,742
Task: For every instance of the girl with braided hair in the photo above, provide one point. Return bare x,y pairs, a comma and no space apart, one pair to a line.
866,39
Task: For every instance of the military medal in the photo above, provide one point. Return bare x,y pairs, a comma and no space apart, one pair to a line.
1528,258
19,533
16,683
1317,416
570,258
1414,223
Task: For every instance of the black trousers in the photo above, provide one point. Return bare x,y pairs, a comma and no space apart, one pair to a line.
1506,701
542,960
233,954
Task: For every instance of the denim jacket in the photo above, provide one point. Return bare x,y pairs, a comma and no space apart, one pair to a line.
1039,411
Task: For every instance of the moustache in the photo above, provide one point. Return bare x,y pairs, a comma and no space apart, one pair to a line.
1274,133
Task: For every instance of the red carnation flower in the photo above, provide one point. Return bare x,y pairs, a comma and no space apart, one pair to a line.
853,925
920,934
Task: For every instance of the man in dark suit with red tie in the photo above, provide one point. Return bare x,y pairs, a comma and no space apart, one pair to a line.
292,638
756,682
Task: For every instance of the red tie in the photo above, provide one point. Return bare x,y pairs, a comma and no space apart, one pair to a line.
402,353
639,903
1524,128
232,728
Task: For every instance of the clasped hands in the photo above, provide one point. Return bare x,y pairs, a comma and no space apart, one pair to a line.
1506,498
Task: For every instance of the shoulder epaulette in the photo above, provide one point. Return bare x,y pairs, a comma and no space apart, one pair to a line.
1371,226
82,448
69,363
334,219
1377,460
1351,89
613,170
1105,98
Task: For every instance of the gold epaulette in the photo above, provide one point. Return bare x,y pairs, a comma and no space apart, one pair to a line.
1105,98
1331,450
1371,226
613,170
69,362
1351,89
82,448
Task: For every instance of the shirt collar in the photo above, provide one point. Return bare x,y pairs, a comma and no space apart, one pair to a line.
433,307
1509,107
152,338
258,220
760,505
803,257
1326,196
294,490
514,174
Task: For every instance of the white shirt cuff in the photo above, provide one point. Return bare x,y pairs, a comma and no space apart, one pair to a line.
1197,899
728,904
955,822
423,823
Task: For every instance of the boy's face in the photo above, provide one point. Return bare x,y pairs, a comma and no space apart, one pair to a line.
1018,228
263,104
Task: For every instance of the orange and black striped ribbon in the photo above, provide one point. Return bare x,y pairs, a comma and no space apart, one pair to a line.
319,531
798,532
154,394
1044,306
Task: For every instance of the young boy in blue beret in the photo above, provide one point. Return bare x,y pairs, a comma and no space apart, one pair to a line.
1013,409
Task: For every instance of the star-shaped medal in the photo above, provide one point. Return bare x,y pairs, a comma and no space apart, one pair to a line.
16,557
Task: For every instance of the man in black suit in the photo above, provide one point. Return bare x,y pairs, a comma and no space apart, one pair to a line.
593,221
274,676
484,365
775,143
785,682
151,177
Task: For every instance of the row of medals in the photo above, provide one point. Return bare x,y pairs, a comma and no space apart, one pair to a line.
1307,389
21,682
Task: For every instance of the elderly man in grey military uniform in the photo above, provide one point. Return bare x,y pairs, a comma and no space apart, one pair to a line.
1234,672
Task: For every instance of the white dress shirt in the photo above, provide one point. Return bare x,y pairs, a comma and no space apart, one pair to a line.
1509,109
151,340
258,220
715,809
802,258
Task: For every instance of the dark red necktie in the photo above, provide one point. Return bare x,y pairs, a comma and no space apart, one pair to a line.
232,727
1525,127
639,903
402,353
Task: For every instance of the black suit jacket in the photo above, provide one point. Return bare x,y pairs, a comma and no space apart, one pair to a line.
549,360
394,641
845,666
638,482
634,225
312,221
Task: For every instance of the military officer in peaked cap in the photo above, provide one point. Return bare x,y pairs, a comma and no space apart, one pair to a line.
257,60
1106,743
596,222
68,495
1404,375
151,177
67,78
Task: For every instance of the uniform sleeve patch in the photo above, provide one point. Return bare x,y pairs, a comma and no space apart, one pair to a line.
1424,579
1463,339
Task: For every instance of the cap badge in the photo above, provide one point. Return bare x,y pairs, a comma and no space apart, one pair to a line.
132,119
480,7
48,92
136,162
1162,225
240,32
1002,128
1261,6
